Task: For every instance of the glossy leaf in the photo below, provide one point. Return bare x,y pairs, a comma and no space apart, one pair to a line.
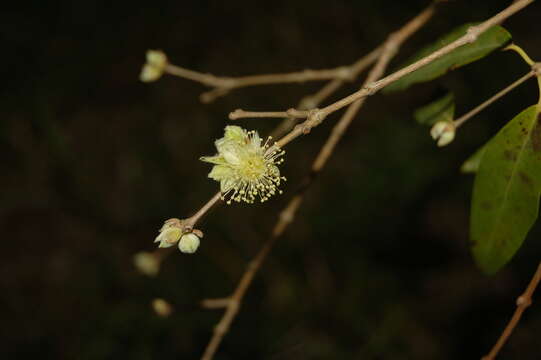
492,39
506,191
471,165
442,109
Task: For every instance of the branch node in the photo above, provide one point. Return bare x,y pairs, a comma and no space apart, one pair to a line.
536,68
472,34
524,301
294,113
371,88
234,115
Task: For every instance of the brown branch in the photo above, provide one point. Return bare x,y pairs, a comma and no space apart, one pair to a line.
523,302
312,101
461,120
315,118
288,214
233,302
290,113
190,222
223,85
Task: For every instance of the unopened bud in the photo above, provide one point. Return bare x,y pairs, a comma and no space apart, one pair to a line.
161,307
170,233
154,67
443,132
147,263
188,243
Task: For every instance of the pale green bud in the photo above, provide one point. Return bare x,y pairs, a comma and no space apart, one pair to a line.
147,263
188,243
156,58
170,233
154,67
443,132
161,307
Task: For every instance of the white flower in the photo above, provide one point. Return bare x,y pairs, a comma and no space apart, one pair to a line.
245,167
154,67
170,233
188,243
444,132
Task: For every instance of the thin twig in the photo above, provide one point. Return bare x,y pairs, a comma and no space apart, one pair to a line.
313,101
288,214
523,302
190,222
233,303
316,117
223,85
461,120
521,52
291,113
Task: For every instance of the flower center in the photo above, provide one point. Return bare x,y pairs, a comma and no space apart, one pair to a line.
253,167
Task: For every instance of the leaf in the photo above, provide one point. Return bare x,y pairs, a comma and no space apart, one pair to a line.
471,165
506,191
442,109
492,39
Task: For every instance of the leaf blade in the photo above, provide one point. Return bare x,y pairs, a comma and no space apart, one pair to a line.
442,109
471,165
506,191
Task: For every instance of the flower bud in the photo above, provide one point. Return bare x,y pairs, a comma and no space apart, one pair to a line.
170,233
154,67
161,307
188,243
147,263
443,132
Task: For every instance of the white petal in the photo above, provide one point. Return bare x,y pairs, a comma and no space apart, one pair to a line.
235,133
217,159
220,172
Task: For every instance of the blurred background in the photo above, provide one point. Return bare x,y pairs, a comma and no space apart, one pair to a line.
375,266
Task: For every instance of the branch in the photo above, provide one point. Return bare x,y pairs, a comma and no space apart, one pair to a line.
461,120
287,215
317,116
523,302
312,101
223,85
283,127
190,222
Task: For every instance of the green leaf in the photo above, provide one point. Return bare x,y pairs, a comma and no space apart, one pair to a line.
471,165
506,191
492,39
442,109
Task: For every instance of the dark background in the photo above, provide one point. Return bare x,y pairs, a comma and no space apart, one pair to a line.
376,265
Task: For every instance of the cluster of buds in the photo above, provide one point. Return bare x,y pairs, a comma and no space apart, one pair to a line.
175,231
154,67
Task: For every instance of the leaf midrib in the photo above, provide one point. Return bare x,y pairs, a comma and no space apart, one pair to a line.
511,180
